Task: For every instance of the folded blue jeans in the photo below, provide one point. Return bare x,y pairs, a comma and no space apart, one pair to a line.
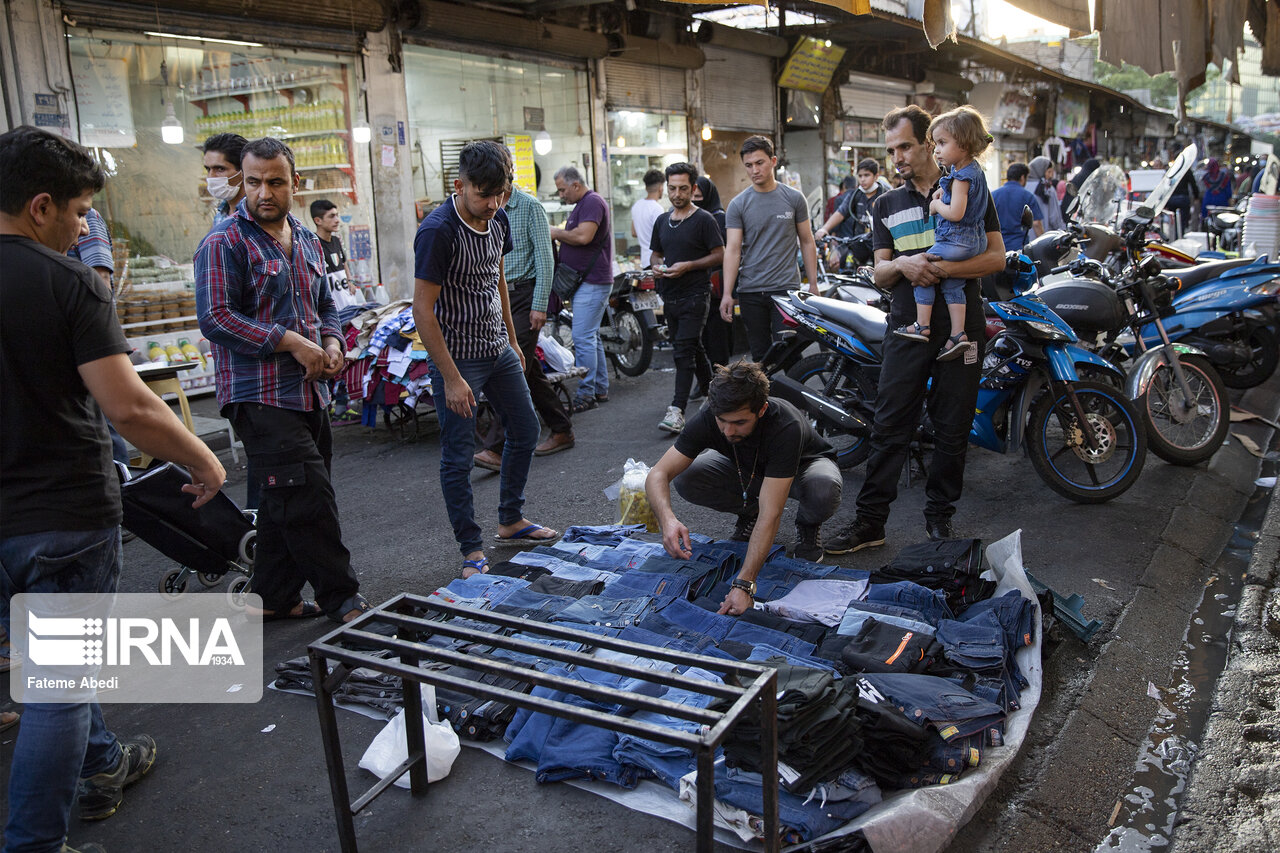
952,710
692,617
605,611
978,644
932,604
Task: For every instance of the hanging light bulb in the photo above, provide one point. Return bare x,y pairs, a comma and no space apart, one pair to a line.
706,133
542,143
622,142
171,128
662,133
361,133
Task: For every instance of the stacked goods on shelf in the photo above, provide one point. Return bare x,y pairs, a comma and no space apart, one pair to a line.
156,304
275,121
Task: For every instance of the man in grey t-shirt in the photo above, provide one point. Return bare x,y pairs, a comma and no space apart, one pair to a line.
763,225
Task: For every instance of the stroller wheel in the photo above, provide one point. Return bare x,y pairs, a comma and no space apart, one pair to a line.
209,579
173,584
237,592
248,545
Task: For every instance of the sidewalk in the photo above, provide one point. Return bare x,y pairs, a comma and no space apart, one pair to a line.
1232,804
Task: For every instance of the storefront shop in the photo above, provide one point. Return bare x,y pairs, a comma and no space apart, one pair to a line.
145,103
539,108
739,99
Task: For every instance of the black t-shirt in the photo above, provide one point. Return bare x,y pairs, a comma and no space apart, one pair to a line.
335,262
782,441
911,233
690,239
55,456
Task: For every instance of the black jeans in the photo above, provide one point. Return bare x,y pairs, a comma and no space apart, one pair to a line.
299,538
686,317
908,366
761,319
712,480
545,400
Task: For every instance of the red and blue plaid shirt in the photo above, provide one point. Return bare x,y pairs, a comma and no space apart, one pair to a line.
248,294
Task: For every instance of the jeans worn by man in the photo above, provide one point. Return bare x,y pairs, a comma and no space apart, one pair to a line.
463,312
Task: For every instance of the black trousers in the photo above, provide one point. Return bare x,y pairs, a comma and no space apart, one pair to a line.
714,481
686,318
761,319
900,397
545,401
299,538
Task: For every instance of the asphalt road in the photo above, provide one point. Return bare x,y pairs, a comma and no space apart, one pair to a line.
222,783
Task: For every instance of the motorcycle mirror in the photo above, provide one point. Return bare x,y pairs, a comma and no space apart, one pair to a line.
1027,218
1145,212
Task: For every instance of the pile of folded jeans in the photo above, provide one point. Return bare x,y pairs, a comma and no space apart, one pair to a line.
378,691
894,679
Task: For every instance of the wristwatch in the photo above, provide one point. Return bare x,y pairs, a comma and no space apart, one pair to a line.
749,587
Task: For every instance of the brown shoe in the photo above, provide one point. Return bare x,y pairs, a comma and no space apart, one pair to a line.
555,442
488,460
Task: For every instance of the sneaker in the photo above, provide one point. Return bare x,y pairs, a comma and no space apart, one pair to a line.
584,404
939,529
742,530
808,543
100,795
855,536
674,421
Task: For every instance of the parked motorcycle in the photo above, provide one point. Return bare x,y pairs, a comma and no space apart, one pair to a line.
836,385
1084,437
1180,397
630,326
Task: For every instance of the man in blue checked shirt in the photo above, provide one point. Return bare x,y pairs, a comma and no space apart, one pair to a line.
263,304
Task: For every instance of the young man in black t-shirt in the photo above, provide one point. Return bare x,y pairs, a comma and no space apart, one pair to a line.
686,245
324,214
764,452
63,365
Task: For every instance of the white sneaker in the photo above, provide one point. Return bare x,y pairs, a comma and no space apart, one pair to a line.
674,421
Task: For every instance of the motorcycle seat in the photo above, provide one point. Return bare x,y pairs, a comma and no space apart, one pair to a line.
1191,276
869,323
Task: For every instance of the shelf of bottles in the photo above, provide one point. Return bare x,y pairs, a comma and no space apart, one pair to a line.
285,122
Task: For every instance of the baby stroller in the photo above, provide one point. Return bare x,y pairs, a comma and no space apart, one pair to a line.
208,542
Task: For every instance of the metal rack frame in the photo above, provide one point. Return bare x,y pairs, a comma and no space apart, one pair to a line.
412,618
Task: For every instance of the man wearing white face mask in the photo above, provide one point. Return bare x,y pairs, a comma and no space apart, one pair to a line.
222,172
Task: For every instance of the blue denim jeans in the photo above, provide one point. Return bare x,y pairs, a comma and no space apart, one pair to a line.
977,644
1015,614
859,612
930,603
501,380
601,534
693,618
588,350
758,635
57,744
533,605
664,589
954,711
605,611
493,589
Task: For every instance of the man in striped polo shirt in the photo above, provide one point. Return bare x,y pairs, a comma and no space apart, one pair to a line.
463,314
902,231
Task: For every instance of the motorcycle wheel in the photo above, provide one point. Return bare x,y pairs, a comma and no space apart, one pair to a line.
853,391
1264,355
1199,438
1055,443
635,357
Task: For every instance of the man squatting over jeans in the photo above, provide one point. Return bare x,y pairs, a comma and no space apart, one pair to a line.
463,312
264,305
686,245
63,365
746,453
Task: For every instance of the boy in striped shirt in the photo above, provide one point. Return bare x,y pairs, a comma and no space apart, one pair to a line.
463,314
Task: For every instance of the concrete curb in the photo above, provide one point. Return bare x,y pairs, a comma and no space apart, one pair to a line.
1064,797
1232,802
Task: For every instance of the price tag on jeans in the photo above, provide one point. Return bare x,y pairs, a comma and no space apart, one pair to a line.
787,774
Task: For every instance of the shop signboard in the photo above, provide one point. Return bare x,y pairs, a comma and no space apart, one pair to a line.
810,65
1073,115
102,98
1012,111
521,147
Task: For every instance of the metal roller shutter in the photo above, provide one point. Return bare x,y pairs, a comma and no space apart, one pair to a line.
738,92
872,97
633,85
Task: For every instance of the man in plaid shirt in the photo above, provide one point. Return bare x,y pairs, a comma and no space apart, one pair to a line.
263,305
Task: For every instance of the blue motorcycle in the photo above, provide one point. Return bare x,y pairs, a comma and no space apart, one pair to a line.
1084,437
1230,314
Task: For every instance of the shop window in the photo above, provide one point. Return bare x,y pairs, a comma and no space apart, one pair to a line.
638,142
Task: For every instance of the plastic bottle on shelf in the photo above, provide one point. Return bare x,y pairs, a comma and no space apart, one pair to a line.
176,356
156,353
190,351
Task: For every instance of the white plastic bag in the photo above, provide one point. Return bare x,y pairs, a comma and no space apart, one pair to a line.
633,503
389,748
559,357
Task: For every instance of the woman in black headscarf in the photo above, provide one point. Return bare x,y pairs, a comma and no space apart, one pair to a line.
717,335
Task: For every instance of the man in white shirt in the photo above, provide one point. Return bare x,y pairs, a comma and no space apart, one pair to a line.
646,211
